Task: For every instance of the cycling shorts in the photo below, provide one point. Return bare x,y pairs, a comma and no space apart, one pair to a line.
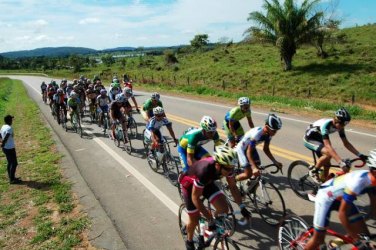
314,145
200,152
211,192
323,208
243,160
104,108
239,131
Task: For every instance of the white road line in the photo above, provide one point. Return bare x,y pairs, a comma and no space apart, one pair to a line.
127,166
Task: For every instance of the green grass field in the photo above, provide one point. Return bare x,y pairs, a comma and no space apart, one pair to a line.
40,213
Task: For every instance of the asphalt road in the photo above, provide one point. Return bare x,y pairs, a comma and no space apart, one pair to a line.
143,205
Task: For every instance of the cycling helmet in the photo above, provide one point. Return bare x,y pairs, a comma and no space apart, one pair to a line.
128,91
244,101
120,98
116,85
90,86
158,111
371,162
273,122
103,91
74,80
64,80
208,124
343,115
59,91
155,96
82,77
73,94
43,82
225,156
115,80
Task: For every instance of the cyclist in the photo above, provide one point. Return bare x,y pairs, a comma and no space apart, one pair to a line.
249,158
149,104
114,91
129,94
339,194
50,93
199,181
102,101
73,104
91,96
231,124
316,138
153,132
117,115
190,144
59,99
43,88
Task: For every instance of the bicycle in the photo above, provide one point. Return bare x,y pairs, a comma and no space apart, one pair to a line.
162,157
93,113
104,117
221,236
76,123
120,137
132,125
44,97
262,194
62,119
294,233
302,183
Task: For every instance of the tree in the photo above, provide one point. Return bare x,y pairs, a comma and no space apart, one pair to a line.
287,26
108,60
76,62
200,41
170,57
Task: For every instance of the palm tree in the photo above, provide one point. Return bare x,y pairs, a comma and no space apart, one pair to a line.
287,26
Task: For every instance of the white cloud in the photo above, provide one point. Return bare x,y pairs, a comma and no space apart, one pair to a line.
89,20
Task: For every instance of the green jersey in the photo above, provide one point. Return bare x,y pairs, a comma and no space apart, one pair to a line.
236,114
148,105
194,138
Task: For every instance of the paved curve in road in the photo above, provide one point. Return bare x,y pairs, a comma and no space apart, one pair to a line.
143,205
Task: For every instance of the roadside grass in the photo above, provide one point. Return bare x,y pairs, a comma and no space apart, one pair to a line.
40,213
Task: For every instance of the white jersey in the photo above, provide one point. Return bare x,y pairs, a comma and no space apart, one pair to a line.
253,137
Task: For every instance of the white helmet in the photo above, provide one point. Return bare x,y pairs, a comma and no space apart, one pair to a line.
208,124
273,122
244,101
158,111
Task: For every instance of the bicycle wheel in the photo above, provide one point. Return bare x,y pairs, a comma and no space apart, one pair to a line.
299,179
293,233
171,169
132,127
225,243
152,160
269,202
128,146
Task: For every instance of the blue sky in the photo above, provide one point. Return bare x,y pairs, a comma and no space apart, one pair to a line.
100,24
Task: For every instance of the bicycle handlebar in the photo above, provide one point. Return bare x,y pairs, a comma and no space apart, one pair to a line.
277,169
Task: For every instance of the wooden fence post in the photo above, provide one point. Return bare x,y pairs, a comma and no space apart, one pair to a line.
223,85
273,90
174,79
353,99
188,80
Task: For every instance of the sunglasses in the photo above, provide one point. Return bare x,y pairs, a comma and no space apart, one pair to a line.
343,123
227,169
158,115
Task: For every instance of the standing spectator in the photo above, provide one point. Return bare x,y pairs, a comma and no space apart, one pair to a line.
8,147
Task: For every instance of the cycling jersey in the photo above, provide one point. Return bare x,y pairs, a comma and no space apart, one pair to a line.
59,99
202,175
154,124
320,130
73,102
345,187
236,114
191,142
43,87
116,109
148,105
103,101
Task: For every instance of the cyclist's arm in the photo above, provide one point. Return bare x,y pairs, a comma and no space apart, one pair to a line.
349,146
135,102
234,189
172,133
269,154
372,197
344,210
231,127
112,115
197,192
190,159
331,151
250,122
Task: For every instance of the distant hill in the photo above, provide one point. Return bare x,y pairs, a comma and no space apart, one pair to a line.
49,51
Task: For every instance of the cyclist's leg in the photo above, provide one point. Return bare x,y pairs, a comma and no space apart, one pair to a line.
193,213
323,208
217,198
123,122
357,224
243,161
183,158
201,152
229,135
